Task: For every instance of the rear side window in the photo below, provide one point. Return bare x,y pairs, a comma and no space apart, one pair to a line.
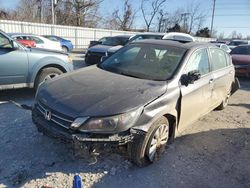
37,40
218,59
198,61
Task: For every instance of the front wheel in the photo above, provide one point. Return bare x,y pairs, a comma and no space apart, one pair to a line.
47,73
149,147
223,104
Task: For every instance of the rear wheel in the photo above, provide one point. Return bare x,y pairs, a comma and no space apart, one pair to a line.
47,73
149,147
65,49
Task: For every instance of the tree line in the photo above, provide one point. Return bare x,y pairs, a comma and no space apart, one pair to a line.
86,13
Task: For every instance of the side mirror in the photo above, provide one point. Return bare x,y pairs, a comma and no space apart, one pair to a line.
14,45
190,77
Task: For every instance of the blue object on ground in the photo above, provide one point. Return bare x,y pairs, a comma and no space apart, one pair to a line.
77,182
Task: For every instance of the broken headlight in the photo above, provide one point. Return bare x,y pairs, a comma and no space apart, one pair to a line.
109,124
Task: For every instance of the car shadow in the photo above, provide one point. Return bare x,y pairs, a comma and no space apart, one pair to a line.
216,158
78,51
242,105
18,95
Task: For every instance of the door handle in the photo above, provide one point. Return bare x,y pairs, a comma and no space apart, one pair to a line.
211,81
231,72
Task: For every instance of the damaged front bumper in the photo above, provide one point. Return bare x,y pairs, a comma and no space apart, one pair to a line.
52,129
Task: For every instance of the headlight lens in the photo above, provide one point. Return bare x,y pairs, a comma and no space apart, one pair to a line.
109,124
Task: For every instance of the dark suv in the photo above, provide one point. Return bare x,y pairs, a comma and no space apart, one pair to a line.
142,96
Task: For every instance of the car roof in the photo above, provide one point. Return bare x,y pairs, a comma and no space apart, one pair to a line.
244,45
121,36
23,34
151,33
187,45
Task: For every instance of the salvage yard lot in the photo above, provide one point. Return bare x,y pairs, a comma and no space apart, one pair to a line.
213,152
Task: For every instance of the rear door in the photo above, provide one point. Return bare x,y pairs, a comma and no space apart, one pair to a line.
13,63
223,73
196,97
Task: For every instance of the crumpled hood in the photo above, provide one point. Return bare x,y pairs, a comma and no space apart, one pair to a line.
99,48
95,92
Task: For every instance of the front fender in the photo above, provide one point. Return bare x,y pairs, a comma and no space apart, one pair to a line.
167,104
45,62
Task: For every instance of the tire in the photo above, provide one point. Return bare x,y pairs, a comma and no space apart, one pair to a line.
223,104
46,73
65,49
140,150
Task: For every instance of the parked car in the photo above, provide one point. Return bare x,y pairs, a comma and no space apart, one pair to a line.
235,43
28,67
180,37
137,37
223,47
96,42
67,45
41,42
95,53
241,60
26,43
141,96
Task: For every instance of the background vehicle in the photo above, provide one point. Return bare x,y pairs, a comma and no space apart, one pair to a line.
95,53
223,47
41,42
235,43
67,45
26,43
28,67
241,60
138,37
145,93
181,37
100,41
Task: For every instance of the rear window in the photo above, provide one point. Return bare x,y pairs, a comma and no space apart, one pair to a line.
218,59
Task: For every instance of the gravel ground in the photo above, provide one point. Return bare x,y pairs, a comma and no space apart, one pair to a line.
213,152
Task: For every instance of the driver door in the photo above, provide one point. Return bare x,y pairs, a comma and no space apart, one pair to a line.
196,98
13,63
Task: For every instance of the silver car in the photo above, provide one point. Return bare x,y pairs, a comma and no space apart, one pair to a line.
27,67
140,97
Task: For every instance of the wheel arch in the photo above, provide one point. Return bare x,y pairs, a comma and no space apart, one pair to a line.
36,74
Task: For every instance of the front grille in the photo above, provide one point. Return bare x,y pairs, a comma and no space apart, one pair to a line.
56,117
94,57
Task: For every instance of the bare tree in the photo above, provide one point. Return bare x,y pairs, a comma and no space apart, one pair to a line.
122,19
3,14
196,16
221,35
149,10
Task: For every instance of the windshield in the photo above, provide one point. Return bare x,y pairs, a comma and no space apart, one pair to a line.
115,41
145,61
